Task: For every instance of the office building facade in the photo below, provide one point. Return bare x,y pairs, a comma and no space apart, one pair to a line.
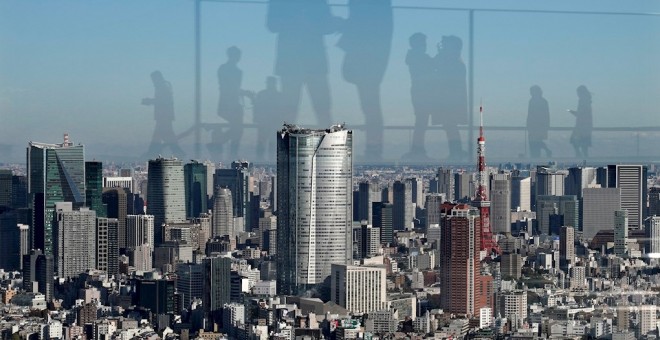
56,173
314,188
165,194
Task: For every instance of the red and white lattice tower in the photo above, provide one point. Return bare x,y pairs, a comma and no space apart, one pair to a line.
481,200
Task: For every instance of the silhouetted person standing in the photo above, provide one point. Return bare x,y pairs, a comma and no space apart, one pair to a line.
423,87
230,104
267,116
163,103
367,39
452,93
581,136
301,56
538,122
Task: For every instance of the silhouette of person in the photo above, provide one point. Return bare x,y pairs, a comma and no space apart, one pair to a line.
230,104
581,136
267,116
163,103
301,55
538,122
423,85
452,93
366,39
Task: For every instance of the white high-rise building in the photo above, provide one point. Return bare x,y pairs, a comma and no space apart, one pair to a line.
653,235
165,194
359,289
314,204
119,182
513,306
647,319
521,193
75,243
223,218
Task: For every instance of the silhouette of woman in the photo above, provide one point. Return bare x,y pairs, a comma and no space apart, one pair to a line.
452,93
423,87
367,39
581,136
538,122
230,103
163,103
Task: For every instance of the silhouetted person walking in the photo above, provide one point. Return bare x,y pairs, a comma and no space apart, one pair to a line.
230,104
423,88
267,115
367,39
581,136
452,93
538,123
301,56
163,103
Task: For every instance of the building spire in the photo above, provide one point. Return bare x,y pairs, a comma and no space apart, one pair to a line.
481,199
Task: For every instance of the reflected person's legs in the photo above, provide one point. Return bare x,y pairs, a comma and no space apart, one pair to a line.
235,132
534,148
291,88
262,141
454,140
170,139
319,93
419,133
370,103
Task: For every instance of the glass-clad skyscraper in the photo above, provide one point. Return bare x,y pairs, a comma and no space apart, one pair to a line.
195,176
165,194
314,204
56,173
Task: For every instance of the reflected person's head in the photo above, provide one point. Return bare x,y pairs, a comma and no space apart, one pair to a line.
535,91
417,41
452,44
233,54
583,92
157,77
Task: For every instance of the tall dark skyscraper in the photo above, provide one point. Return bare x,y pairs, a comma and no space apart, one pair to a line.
5,188
38,272
165,194
237,180
403,206
115,201
195,176
369,192
56,173
383,220
314,188
94,187
10,241
19,191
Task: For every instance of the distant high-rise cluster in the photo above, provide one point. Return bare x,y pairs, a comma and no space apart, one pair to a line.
249,251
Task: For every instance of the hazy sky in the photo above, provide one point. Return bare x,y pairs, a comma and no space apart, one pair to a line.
83,66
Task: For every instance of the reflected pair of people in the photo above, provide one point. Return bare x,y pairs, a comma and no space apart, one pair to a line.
538,123
268,107
438,91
